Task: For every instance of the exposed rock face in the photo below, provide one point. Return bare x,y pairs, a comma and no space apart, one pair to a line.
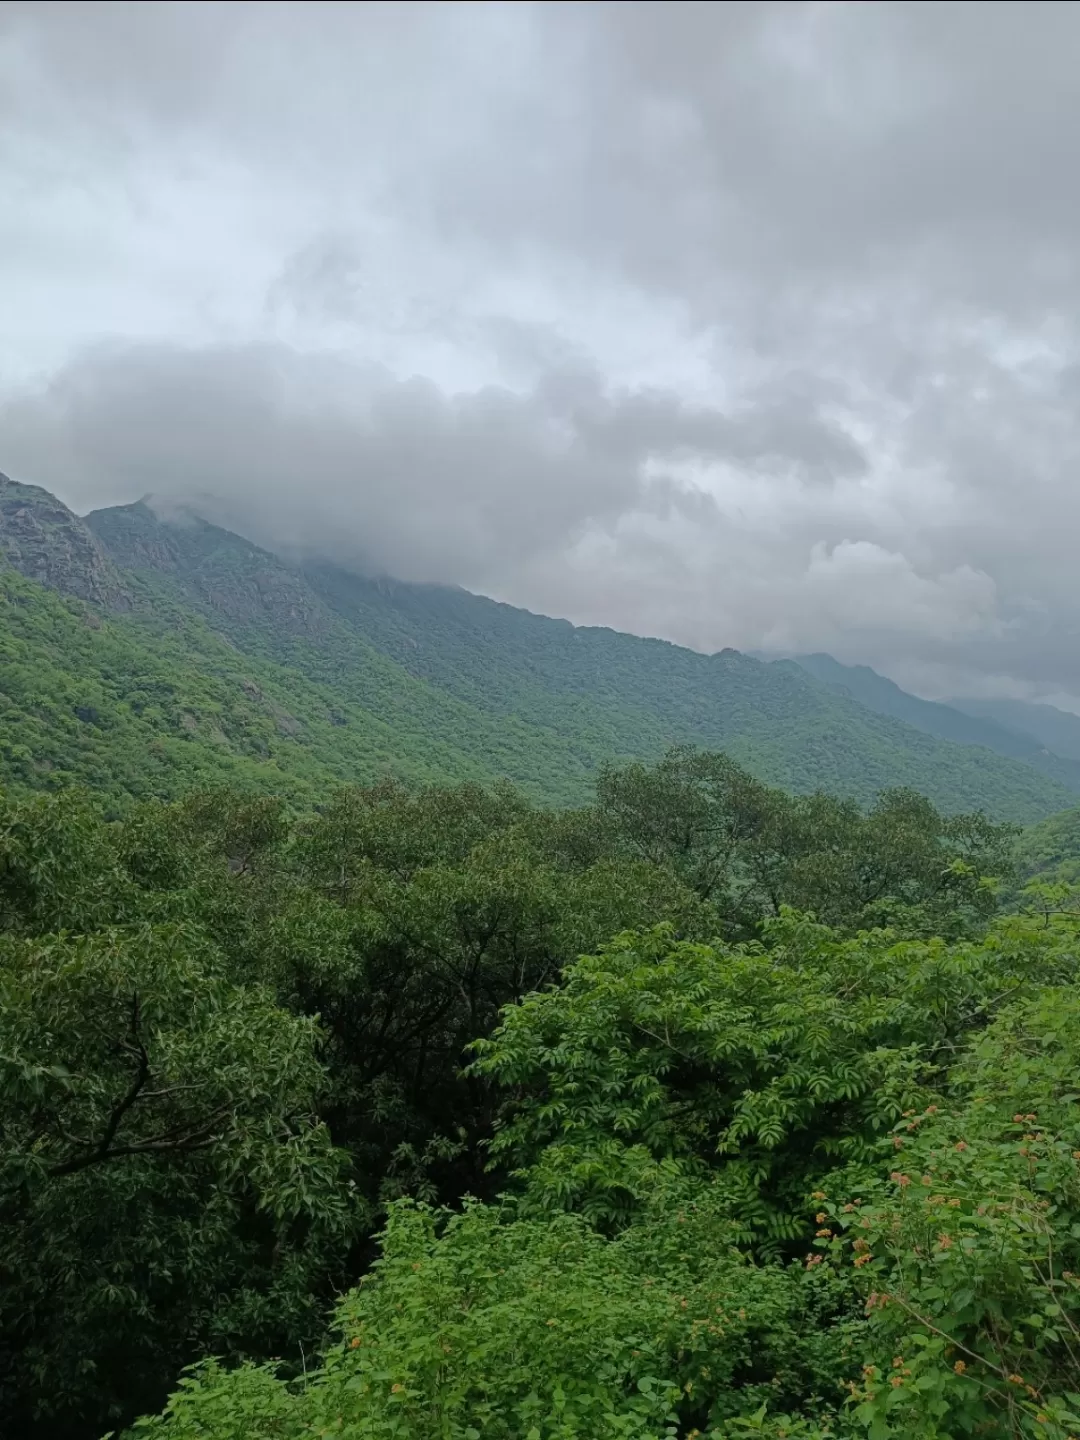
222,572
47,542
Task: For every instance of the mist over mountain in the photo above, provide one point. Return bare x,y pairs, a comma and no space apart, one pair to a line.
1057,730
193,653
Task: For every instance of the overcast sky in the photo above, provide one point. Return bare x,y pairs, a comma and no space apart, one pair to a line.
740,324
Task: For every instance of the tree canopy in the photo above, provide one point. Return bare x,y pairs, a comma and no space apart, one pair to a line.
701,1109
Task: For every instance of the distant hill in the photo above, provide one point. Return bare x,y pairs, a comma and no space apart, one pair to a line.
143,655
964,722
1056,729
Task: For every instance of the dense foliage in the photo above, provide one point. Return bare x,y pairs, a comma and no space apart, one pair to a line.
228,1038
863,1236
1050,851
164,1173
142,656
249,1059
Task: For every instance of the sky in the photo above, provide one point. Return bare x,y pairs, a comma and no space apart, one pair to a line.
738,324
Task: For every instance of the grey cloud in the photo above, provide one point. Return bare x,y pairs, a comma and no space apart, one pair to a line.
338,457
112,65
745,323
856,144
573,497
683,144
325,279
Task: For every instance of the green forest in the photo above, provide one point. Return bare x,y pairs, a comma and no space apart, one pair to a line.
700,1109
143,656
424,1019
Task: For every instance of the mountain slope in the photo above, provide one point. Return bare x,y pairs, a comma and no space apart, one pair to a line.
952,721
159,652
597,693
1056,729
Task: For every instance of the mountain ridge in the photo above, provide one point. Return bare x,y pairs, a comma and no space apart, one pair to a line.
308,675
948,720
1058,730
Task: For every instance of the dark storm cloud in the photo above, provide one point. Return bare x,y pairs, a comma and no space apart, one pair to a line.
741,323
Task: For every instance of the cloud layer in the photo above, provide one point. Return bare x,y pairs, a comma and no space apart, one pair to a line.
748,324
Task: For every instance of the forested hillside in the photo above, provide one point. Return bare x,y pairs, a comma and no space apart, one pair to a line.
1026,733
1058,730
732,1168
141,655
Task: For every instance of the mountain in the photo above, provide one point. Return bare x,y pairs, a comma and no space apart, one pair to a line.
1056,729
43,540
143,654
954,721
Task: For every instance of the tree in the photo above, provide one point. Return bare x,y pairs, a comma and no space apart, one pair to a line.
486,1324
420,918
750,850
165,1184
968,1251
234,1042
764,1065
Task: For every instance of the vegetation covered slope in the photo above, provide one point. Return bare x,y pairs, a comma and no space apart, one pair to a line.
1057,729
954,722
1050,850
735,1169
146,654
541,693
137,709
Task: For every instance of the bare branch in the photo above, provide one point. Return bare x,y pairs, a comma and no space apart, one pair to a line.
185,1136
